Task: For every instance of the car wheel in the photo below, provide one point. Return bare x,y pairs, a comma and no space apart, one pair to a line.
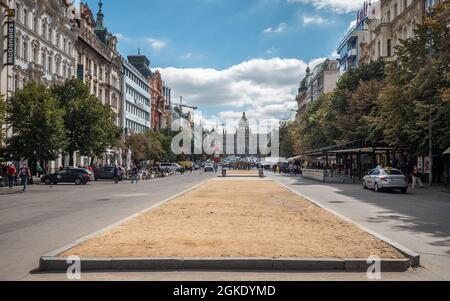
376,188
404,190
48,181
78,181
96,179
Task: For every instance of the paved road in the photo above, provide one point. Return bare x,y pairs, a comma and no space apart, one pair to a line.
46,218
419,220
33,225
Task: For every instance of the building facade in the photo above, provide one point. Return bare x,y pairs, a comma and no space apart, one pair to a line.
44,44
322,80
391,21
350,49
136,116
161,102
99,64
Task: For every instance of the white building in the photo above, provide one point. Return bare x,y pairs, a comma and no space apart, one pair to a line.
44,44
136,103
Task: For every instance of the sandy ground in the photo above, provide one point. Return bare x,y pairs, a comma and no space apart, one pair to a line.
236,219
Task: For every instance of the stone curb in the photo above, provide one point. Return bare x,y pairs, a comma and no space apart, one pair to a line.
413,257
53,264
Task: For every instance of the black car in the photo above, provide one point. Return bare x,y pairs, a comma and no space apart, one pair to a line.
75,175
106,173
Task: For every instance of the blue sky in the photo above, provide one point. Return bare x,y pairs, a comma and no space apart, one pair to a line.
261,46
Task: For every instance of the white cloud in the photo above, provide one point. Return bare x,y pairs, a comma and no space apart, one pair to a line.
262,87
317,20
156,44
281,28
121,37
339,6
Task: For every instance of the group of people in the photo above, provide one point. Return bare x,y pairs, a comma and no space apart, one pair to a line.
12,175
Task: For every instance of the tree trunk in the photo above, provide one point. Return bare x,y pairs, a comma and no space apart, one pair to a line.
71,163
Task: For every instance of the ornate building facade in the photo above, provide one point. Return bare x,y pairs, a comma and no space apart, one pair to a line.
99,64
389,22
321,80
161,102
44,44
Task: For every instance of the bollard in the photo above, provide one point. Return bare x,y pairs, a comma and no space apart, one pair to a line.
261,173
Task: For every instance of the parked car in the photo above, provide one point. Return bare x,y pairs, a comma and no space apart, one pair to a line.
107,173
381,179
196,166
77,176
209,167
173,167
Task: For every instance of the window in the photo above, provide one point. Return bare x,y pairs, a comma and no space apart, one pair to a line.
395,10
18,12
58,67
25,17
389,47
50,61
25,51
35,23
36,55
18,46
43,61
405,4
44,29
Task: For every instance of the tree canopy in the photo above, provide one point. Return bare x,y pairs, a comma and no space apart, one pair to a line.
38,124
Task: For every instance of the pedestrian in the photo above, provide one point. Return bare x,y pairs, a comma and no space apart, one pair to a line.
135,175
416,179
25,175
11,171
116,174
39,170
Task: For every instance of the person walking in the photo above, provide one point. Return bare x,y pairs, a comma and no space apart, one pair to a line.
39,170
116,174
416,179
25,175
11,171
135,175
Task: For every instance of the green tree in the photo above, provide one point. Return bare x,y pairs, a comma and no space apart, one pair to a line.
90,125
414,101
38,125
156,150
356,122
139,146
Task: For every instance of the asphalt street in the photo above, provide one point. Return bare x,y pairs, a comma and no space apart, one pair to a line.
419,220
48,217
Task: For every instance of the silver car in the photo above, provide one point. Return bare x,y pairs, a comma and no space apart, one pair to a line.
386,178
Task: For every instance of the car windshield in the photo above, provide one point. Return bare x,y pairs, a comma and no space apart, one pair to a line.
393,172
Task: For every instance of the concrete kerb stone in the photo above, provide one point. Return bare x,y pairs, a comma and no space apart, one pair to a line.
412,256
51,264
